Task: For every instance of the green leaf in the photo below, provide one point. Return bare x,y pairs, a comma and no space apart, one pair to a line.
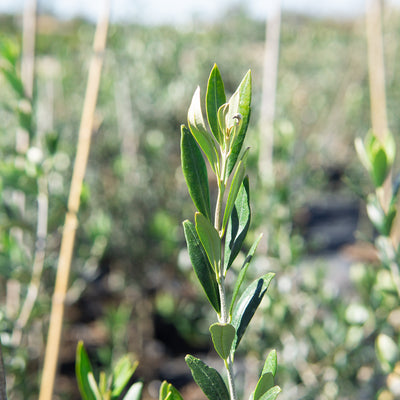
201,265
243,271
272,393
387,352
379,167
247,306
238,224
264,384
236,183
210,240
14,81
169,392
221,116
208,379
215,98
93,386
163,393
271,363
195,172
25,118
83,368
240,104
382,222
199,131
222,336
10,51
122,372
134,392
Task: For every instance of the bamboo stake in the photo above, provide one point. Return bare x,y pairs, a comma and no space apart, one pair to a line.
71,220
376,70
268,97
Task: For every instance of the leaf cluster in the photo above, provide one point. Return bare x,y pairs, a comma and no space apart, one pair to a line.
215,238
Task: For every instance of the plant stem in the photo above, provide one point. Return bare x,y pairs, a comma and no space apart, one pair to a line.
231,382
224,317
221,287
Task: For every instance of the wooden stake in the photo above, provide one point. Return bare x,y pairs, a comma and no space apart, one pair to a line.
268,96
71,220
377,90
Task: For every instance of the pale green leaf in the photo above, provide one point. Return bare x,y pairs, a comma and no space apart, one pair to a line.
222,336
134,392
215,98
199,130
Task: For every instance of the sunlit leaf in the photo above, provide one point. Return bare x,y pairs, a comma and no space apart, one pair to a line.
264,384
215,98
271,363
272,393
387,352
199,130
222,336
240,104
208,379
122,372
134,392
169,392
83,368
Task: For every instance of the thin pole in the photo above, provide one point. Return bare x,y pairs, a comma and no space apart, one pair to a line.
376,69
71,220
268,96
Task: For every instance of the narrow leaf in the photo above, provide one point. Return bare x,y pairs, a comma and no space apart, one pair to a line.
243,271
195,172
271,363
238,224
83,368
380,168
169,392
122,372
215,98
199,130
222,336
93,386
201,265
247,306
134,392
240,104
208,379
234,189
264,384
272,393
14,81
210,240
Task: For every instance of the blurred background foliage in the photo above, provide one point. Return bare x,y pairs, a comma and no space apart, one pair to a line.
132,288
